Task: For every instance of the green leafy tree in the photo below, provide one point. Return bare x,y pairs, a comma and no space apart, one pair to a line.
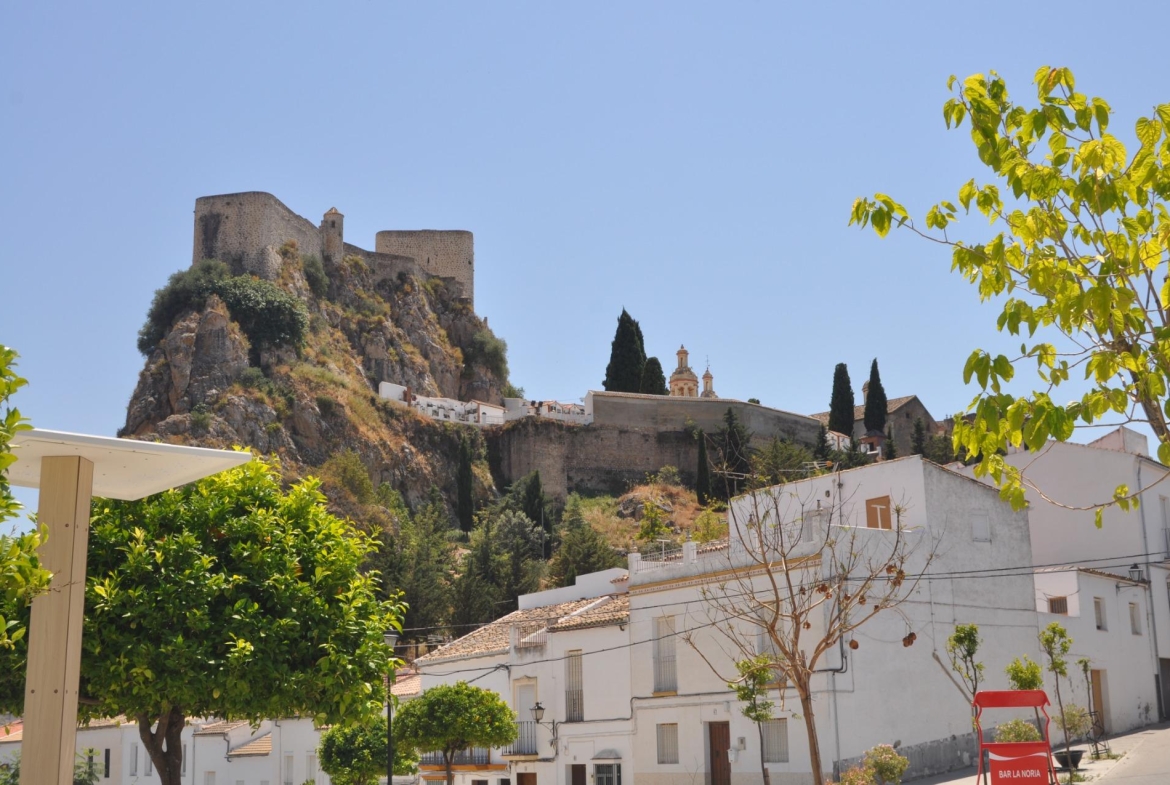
735,453
453,717
230,597
582,549
875,401
1024,674
1078,271
427,565
1055,643
821,451
21,574
356,754
653,378
708,527
84,770
751,689
627,357
841,403
518,544
780,462
703,472
963,648
653,526
918,440
315,275
476,595
465,486
891,448
487,350
534,506
939,449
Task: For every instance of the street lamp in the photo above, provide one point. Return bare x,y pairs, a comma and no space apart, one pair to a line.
1135,573
390,636
538,715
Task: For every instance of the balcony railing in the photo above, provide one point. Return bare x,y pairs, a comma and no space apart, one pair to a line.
665,675
475,756
525,743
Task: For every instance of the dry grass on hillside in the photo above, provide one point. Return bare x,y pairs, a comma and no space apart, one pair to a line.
602,512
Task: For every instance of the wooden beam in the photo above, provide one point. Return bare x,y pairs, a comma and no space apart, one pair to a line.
54,641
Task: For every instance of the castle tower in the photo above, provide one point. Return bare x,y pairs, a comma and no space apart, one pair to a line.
708,382
333,235
683,382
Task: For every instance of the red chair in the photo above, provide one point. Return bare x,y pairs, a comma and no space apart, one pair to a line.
1014,762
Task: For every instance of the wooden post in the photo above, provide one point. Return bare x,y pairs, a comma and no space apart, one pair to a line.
54,641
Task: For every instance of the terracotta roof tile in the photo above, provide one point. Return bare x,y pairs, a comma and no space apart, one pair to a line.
496,638
12,731
407,685
892,405
219,727
105,722
262,745
614,611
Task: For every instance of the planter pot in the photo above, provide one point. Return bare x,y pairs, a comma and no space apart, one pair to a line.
1062,759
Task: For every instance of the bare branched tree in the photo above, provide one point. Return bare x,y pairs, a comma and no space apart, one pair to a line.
799,580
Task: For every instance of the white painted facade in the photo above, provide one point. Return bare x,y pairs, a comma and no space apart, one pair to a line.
445,409
1079,475
576,413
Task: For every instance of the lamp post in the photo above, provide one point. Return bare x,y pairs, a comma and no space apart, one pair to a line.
537,716
391,638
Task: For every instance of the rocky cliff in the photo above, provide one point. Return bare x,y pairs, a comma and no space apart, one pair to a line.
205,384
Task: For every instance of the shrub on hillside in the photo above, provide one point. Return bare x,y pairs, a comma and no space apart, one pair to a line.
185,290
488,350
315,275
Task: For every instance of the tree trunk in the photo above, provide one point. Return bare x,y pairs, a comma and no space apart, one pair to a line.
763,764
447,757
164,744
1063,729
810,727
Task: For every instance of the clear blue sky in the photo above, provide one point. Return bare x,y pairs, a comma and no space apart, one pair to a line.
693,162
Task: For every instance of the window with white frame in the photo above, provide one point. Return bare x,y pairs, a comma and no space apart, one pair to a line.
1135,619
665,672
776,741
311,766
607,774
668,742
1099,613
574,688
209,778
133,760
980,527
288,768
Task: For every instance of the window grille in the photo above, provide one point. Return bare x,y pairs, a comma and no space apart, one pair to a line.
607,774
1058,605
106,765
668,743
1135,619
776,741
574,688
665,673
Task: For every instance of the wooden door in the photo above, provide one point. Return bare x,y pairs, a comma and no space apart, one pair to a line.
1098,700
720,764
526,778
577,772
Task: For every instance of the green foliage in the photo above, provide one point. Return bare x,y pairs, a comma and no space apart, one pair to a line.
489,351
1016,730
267,314
841,402
253,378
200,418
21,574
653,525
1024,674
708,527
858,775
315,276
1075,721
451,717
735,453
963,648
751,688
230,597
512,391
875,401
185,290
939,449
891,448
356,754
754,400
780,462
426,565
1055,643
84,772
1081,260
703,472
346,470
627,357
327,406
918,440
667,475
821,451
465,487
582,549
653,378
886,764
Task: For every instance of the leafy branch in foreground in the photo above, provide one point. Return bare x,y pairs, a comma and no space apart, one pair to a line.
1081,260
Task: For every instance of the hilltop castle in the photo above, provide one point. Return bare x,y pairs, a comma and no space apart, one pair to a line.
245,230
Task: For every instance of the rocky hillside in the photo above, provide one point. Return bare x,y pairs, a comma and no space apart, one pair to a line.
217,377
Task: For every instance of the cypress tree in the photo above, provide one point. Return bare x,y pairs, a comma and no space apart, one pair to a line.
875,401
653,379
918,441
891,448
841,403
627,357
735,444
464,481
703,473
821,452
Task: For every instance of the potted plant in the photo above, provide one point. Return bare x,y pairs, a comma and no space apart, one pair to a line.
1075,722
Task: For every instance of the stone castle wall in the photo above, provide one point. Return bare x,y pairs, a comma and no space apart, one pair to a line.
587,459
245,230
446,254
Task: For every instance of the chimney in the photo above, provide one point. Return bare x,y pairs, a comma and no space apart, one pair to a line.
864,393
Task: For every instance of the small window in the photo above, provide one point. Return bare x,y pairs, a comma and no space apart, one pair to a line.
668,743
607,774
106,765
980,528
877,513
311,766
574,688
288,768
1099,613
1058,605
776,741
209,778
479,782
1135,619
133,760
